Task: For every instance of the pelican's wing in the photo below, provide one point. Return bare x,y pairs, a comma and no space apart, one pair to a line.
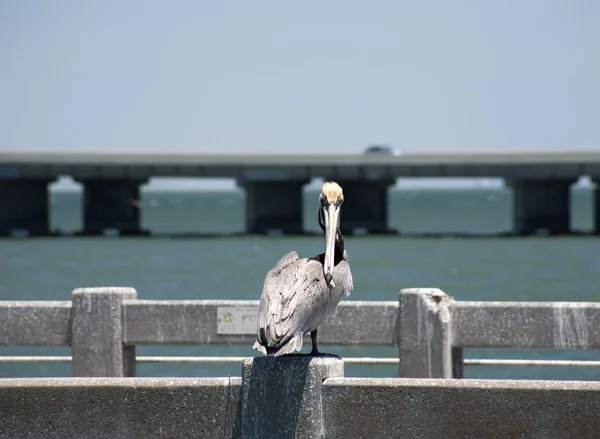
310,300
295,300
270,294
304,302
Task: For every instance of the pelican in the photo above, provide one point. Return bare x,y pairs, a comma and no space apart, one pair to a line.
298,294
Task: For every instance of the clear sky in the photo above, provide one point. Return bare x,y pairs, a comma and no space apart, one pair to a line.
299,76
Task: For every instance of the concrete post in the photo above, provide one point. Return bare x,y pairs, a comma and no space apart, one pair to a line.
24,206
541,205
597,207
97,333
282,396
425,335
111,204
274,205
365,206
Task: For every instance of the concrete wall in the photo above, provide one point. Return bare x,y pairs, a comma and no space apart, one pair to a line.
440,409
348,408
412,408
118,407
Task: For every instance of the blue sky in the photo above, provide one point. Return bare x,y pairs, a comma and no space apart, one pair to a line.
335,75
313,76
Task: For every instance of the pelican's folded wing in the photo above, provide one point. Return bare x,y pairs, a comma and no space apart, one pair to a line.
274,279
296,302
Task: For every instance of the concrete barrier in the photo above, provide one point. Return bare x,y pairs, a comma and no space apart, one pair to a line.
118,407
103,325
290,398
451,409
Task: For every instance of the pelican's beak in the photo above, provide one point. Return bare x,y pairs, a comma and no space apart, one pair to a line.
331,213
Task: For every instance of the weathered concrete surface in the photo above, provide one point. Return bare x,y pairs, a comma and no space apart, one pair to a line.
118,407
351,407
281,396
364,408
195,322
181,322
97,333
425,338
563,325
34,323
355,322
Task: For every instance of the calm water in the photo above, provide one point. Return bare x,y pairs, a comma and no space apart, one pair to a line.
535,268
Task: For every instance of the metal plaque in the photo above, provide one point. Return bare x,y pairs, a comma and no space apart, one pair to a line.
236,319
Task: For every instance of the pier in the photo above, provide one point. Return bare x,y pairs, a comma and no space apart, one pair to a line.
273,184
296,396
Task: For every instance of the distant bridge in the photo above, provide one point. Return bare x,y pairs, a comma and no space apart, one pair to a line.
273,183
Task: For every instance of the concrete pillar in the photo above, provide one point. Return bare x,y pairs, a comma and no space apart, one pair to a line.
24,206
281,397
365,206
274,205
111,204
424,337
541,205
97,333
597,207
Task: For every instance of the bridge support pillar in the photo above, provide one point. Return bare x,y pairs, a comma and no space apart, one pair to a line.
274,205
111,204
365,206
24,206
597,207
541,205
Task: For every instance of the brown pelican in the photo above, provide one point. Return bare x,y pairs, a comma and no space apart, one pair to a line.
299,293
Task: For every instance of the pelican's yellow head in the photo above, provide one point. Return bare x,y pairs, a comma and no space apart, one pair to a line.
331,199
331,192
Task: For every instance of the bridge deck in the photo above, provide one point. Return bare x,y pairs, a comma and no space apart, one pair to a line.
509,164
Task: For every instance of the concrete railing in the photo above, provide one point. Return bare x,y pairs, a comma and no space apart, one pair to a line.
433,329
297,397
103,325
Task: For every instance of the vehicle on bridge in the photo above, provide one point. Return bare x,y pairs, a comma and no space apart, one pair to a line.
382,149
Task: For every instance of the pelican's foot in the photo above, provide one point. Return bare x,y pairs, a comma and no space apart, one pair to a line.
323,354
317,353
296,355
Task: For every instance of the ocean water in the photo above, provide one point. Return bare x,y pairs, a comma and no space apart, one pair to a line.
534,268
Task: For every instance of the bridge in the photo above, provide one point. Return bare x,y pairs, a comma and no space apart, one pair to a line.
273,183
